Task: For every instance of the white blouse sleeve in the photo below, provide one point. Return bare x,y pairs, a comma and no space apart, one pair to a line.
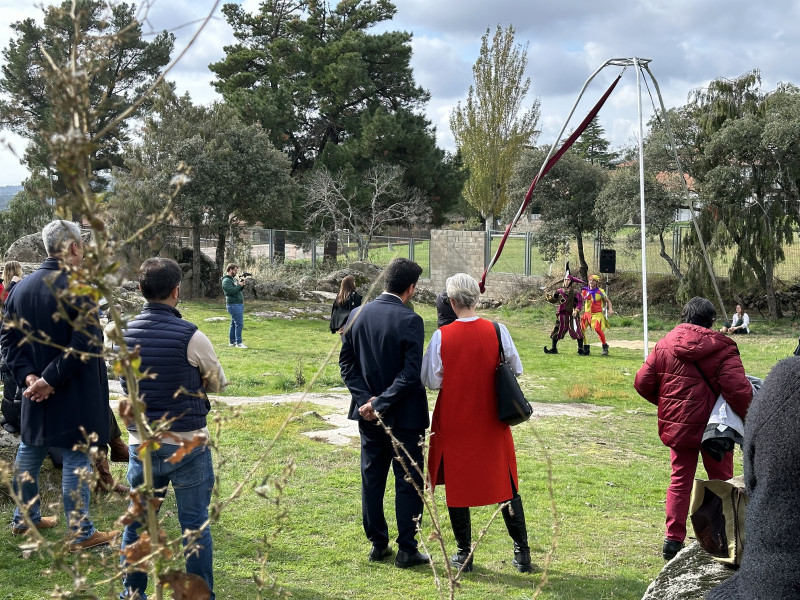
746,322
510,350
432,372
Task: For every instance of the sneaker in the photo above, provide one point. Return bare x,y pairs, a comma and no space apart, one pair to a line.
44,523
98,538
241,346
232,345
671,548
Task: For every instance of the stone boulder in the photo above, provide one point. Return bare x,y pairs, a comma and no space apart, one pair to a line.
689,576
272,289
28,249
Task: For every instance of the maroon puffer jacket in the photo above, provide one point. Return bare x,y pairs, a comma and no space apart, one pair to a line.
670,379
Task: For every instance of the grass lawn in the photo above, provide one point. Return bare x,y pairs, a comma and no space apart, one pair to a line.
608,475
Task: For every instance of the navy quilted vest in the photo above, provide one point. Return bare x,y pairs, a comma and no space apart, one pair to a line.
163,337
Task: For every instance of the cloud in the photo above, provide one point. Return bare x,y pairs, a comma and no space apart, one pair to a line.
690,43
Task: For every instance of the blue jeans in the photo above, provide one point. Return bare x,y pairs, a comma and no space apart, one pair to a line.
29,459
192,479
236,312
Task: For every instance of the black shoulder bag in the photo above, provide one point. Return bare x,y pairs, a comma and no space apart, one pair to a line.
512,407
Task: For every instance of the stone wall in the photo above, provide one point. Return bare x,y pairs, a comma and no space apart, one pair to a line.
454,251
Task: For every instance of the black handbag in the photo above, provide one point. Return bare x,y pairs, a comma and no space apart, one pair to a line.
512,407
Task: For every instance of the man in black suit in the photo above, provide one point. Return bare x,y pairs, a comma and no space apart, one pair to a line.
381,360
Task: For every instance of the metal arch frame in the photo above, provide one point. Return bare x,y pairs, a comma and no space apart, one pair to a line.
638,64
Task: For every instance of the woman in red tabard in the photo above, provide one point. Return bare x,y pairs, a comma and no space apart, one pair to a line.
471,451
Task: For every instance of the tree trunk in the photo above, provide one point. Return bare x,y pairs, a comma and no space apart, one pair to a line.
197,284
330,250
219,257
489,221
663,253
584,266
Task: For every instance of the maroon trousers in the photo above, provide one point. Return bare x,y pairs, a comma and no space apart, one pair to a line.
679,492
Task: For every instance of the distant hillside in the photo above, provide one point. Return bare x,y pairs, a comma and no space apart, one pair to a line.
6,193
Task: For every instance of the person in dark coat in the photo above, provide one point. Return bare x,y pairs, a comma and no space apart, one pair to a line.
380,361
444,312
346,300
66,394
770,565
686,372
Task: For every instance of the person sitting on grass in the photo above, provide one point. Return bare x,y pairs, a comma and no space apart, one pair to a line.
739,324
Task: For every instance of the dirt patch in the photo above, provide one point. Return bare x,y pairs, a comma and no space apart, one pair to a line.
343,429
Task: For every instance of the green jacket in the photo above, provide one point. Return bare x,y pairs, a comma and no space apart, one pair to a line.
232,290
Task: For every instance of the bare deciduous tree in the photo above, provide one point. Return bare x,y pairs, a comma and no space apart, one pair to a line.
381,199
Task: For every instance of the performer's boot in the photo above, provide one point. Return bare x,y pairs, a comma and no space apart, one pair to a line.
580,347
586,348
462,530
605,350
552,350
514,517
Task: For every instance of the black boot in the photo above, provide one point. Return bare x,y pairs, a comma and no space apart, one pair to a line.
514,516
580,347
462,530
605,350
552,350
586,348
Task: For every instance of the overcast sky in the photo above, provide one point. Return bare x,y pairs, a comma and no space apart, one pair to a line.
690,43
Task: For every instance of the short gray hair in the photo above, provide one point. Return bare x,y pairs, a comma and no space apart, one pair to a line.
463,290
58,235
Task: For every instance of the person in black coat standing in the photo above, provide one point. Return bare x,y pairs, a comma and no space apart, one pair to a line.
381,362
66,393
770,566
346,300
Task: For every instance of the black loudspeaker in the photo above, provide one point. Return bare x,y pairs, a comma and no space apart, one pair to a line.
608,260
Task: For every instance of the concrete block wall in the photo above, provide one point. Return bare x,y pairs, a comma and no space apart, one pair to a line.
454,251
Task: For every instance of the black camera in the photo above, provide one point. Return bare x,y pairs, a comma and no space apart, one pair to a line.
244,275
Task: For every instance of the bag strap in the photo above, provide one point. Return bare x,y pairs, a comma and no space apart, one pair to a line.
703,375
499,342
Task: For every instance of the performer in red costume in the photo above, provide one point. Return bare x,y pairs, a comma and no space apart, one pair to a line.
568,303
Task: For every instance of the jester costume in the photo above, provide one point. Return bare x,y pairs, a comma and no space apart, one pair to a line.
569,304
595,301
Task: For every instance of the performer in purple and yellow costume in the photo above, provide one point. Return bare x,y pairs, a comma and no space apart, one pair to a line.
569,305
596,300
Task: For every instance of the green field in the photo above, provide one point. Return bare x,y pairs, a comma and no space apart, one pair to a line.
593,487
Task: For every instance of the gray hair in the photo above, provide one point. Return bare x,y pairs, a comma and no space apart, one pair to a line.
58,235
463,290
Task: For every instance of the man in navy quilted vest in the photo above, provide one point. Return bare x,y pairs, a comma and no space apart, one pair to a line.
182,367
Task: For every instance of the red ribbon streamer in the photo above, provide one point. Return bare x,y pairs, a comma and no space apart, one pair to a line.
549,165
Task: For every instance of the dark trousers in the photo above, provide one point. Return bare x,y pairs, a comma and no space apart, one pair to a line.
377,455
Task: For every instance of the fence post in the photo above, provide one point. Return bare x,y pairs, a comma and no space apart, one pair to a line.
271,246
527,254
313,252
411,248
487,248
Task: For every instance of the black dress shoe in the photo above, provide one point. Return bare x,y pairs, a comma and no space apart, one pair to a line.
378,554
404,560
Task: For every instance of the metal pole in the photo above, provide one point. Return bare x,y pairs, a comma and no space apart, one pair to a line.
641,206
707,258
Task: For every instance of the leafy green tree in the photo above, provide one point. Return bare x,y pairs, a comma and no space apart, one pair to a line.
26,213
747,176
619,203
115,64
235,173
566,197
594,147
328,90
491,129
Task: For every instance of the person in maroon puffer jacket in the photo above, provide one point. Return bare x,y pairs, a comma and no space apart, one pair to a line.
688,368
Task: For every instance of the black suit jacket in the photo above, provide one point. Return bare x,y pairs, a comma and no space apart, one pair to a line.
381,357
